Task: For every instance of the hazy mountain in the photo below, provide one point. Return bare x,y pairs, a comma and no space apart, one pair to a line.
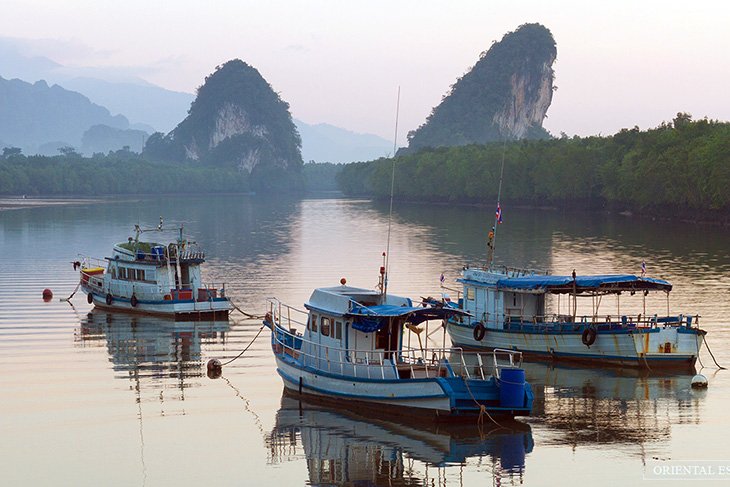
142,103
237,120
35,114
326,143
102,138
504,96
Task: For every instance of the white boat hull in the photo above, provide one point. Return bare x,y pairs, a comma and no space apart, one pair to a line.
641,347
188,309
426,394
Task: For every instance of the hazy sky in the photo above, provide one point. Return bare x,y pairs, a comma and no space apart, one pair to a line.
620,63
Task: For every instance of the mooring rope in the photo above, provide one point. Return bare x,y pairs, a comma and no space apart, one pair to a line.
68,299
247,347
254,317
482,407
713,356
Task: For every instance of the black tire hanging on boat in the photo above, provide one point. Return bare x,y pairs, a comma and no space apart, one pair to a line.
479,332
90,298
133,301
589,336
109,299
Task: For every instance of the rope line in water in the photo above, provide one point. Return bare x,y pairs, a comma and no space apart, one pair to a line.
713,356
68,299
255,317
247,347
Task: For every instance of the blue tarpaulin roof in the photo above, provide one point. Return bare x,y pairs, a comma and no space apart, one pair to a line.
584,283
371,318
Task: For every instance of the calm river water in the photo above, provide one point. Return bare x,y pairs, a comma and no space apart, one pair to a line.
93,398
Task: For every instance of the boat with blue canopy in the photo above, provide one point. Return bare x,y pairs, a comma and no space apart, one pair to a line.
363,349
596,319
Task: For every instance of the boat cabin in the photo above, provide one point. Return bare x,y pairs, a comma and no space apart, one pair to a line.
500,300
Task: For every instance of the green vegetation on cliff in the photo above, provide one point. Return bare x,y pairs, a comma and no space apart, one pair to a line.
505,95
236,121
678,166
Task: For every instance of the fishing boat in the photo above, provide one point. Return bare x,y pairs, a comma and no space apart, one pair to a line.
160,278
540,315
351,348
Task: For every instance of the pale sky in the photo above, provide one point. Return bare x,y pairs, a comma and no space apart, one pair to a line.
620,63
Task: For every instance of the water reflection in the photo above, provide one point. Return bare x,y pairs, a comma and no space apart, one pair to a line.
342,448
590,406
153,353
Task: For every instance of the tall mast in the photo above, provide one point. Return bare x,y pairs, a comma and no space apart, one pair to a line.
392,186
493,232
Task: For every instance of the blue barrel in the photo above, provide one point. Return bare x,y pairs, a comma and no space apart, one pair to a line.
512,388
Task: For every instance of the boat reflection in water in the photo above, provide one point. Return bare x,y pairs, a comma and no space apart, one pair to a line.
161,353
634,409
342,448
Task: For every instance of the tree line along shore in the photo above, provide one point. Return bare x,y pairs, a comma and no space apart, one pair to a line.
680,169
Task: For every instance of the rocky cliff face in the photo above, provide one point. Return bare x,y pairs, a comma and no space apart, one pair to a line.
505,95
530,99
236,120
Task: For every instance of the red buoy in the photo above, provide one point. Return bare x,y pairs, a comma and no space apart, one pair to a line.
47,294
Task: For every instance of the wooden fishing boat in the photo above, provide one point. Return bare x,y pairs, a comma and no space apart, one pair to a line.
543,317
154,277
351,348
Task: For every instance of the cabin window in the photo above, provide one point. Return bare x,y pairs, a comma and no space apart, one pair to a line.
470,293
140,275
338,330
325,330
122,273
113,272
313,324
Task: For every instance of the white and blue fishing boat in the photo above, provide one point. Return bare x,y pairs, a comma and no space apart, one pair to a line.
511,308
352,348
161,278
543,317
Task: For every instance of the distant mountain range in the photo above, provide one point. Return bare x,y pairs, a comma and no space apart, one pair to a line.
124,110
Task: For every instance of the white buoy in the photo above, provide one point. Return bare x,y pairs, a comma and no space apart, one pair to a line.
699,381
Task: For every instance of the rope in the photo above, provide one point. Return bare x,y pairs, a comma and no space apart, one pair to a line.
255,317
713,356
247,347
68,299
482,407
699,359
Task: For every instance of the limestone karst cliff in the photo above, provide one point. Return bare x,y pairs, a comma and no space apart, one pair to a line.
505,95
236,120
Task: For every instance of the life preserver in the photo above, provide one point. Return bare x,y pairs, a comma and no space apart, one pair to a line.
479,332
109,299
90,298
588,337
133,301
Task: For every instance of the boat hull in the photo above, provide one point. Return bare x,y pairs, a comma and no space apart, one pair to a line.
215,310
641,348
437,398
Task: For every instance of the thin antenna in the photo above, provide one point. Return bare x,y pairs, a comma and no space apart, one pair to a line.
493,233
392,187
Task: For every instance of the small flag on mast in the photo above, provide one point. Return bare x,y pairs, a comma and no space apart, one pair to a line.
498,213
643,268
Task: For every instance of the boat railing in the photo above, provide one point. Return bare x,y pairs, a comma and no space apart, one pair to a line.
90,262
372,364
563,322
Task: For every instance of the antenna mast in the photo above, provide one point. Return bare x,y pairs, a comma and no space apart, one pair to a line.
392,186
492,242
